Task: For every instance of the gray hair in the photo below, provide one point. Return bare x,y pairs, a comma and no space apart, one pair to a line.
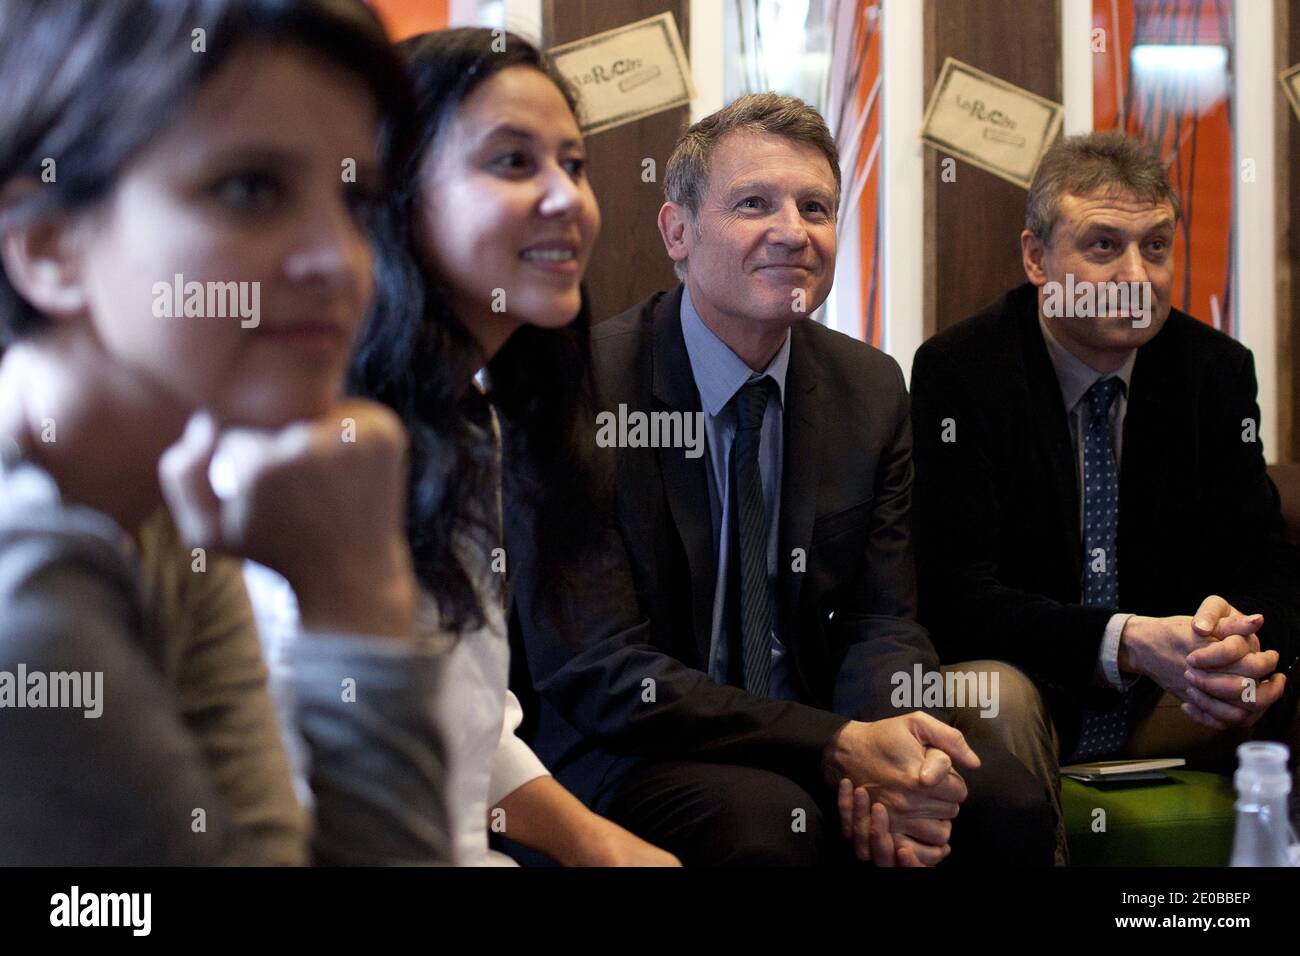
1107,162
686,177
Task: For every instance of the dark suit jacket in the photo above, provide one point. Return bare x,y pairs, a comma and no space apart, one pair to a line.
997,510
643,609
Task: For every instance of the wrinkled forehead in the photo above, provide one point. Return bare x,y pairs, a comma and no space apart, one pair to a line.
746,154
1115,209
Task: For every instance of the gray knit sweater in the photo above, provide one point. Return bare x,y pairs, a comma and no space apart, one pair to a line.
184,763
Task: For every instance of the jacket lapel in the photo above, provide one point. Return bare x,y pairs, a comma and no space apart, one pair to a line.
799,473
685,479
1051,431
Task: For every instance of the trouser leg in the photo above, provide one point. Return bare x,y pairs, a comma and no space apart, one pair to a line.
1023,727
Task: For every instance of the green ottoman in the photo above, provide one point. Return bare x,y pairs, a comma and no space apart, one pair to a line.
1186,820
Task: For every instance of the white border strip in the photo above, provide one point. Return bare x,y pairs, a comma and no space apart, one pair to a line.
902,180
463,13
708,39
1076,65
1255,240
524,17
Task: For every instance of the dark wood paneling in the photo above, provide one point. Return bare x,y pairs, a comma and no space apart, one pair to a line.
629,262
973,224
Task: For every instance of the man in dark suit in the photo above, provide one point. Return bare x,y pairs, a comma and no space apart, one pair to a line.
1091,499
730,676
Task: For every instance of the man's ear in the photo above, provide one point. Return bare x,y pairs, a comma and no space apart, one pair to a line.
675,228
40,260
1031,253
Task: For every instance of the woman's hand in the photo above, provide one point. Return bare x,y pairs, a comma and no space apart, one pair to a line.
322,502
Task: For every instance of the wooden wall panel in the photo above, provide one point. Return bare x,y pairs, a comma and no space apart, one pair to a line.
629,262
972,230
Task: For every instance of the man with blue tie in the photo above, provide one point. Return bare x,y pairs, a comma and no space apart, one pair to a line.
724,679
1091,502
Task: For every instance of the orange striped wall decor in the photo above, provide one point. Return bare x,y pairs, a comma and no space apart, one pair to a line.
853,113
1165,77
867,169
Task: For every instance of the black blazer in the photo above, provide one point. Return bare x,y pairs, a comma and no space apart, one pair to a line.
643,609
997,510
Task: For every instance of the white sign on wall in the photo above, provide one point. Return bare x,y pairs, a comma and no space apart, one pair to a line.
989,122
624,74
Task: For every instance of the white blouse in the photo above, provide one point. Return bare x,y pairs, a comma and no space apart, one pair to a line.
476,712
487,762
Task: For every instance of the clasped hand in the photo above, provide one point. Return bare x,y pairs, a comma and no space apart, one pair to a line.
898,787
1212,662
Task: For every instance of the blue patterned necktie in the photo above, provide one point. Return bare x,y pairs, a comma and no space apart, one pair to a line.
750,514
1101,731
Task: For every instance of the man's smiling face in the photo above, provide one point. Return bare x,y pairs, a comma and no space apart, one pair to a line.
763,242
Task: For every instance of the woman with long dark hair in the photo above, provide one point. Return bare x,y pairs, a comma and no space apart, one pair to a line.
186,198
501,221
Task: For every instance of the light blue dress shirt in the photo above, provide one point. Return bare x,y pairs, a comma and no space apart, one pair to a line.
719,375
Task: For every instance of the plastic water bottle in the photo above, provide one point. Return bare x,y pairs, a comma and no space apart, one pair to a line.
1263,782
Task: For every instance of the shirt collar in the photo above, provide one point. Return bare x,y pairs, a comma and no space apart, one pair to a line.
1075,375
719,372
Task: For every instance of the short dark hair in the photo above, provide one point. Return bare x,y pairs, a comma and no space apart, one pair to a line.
89,84
1108,162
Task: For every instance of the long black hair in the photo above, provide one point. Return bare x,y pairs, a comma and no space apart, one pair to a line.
417,357
87,84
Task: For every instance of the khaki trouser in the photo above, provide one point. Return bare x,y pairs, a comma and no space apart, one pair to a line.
1161,729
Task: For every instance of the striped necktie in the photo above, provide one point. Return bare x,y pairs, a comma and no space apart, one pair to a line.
757,606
